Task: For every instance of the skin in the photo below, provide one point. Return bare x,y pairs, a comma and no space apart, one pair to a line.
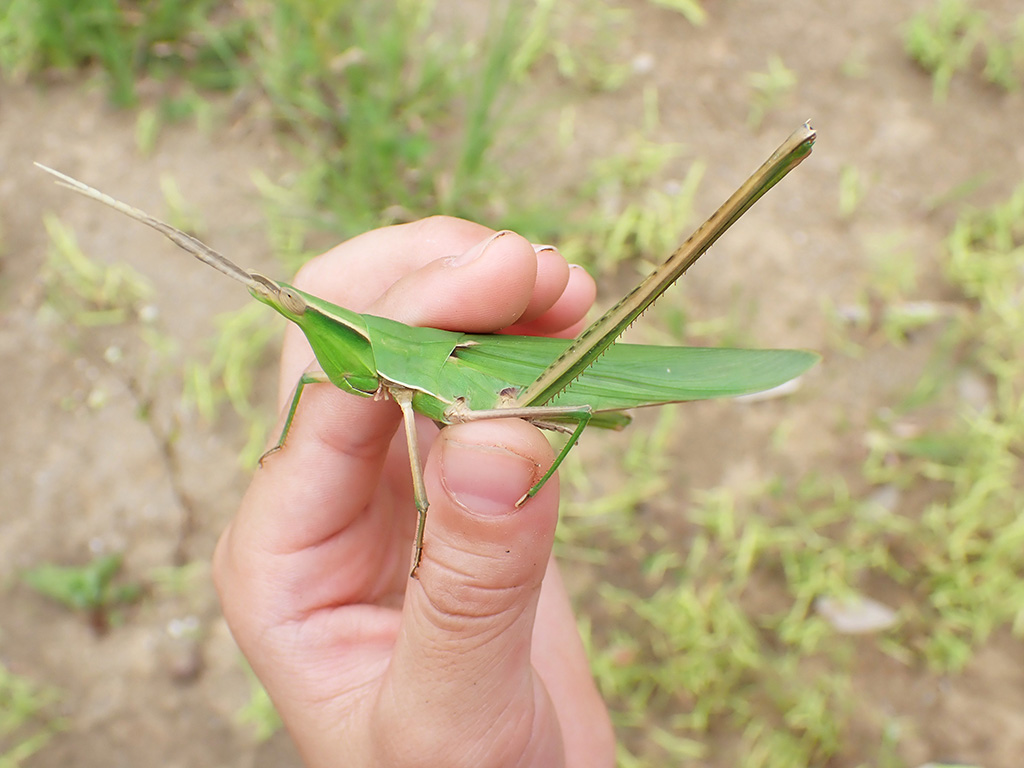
478,661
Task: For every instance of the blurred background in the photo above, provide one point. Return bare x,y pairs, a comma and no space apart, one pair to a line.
830,577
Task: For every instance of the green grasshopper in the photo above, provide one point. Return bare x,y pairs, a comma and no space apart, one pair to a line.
556,384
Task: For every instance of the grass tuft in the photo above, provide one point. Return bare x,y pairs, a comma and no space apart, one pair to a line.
945,38
163,39
26,724
87,292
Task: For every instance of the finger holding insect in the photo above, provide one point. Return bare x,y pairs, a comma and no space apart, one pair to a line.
566,316
483,289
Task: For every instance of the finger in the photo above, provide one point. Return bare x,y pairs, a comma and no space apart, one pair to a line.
462,655
480,291
357,272
561,661
278,560
552,278
566,316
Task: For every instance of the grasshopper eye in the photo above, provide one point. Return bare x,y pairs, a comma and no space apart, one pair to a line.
292,301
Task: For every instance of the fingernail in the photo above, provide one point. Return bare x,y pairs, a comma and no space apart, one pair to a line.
476,251
577,266
485,479
539,248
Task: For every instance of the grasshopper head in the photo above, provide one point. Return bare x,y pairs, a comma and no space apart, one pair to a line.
338,336
285,299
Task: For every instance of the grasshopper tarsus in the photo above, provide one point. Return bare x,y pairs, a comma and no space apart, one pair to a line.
268,453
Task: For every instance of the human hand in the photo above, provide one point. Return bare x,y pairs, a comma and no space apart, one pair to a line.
478,661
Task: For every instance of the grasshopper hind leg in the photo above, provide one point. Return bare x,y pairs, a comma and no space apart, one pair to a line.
584,418
540,416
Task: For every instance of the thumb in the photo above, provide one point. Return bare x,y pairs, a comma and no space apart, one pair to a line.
461,679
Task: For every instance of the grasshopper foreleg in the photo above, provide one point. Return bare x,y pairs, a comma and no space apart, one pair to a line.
315,377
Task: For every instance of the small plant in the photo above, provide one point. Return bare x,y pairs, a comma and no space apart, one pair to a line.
851,190
259,711
1004,61
89,588
769,88
584,39
894,281
634,215
363,108
25,726
162,38
944,39
179,213
85,291
691,10
243,340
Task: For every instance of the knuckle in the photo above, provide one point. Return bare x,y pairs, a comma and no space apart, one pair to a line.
460,603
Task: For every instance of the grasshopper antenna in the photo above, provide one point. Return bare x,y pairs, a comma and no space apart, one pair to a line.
200,250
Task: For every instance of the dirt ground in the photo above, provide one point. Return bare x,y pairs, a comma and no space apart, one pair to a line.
77,479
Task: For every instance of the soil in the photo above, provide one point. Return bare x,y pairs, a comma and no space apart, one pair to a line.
83,474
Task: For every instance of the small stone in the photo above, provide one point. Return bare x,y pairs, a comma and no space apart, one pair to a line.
855,615
184,661
643,63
